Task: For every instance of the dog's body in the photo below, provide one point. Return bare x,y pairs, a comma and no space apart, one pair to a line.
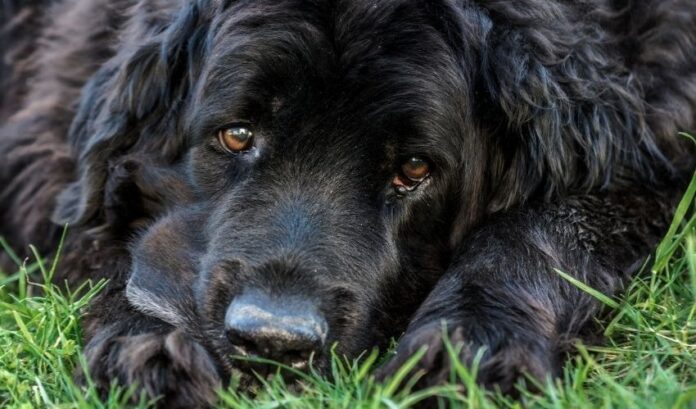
413,163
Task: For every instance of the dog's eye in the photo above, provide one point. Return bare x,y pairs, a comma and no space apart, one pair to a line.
413,172
416,169
236,138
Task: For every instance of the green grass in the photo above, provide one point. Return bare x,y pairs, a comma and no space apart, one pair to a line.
648,360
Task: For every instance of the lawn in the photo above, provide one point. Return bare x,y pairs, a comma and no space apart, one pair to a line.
647,361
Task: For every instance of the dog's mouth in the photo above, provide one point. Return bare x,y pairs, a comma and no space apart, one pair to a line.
295,361
288,365
291,361
249,371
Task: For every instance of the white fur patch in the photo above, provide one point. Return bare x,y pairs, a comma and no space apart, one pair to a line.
149,304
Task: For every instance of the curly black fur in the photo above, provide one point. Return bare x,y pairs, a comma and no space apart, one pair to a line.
551,130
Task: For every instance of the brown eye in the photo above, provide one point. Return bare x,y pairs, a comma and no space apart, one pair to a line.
413,171
235,138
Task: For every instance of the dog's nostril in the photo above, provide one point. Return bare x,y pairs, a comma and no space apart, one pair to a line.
276,339
241,339
284,344
287,330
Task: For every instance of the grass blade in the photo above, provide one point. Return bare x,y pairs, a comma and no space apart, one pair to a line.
603,298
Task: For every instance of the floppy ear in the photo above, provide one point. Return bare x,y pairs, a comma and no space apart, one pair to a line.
134,102
569,114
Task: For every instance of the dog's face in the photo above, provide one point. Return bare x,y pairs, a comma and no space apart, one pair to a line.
322,152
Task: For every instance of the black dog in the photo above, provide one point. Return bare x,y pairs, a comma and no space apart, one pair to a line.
271,177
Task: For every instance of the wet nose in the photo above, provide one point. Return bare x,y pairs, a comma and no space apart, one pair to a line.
285,329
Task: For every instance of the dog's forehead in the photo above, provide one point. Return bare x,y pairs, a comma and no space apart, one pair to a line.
375,60
370,43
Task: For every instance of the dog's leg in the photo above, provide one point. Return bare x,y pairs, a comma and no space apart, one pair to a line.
134,335
160,360
126,347
502,293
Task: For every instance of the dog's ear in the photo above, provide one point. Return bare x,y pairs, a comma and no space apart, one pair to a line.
563,106
134,102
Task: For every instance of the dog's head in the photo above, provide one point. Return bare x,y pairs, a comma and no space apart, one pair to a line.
299,173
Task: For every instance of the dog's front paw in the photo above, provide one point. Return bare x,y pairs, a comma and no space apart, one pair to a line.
169,367
505,359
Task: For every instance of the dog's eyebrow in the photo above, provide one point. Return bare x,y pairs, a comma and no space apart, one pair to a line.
217,110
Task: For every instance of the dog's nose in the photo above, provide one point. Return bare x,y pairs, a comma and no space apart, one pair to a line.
285,329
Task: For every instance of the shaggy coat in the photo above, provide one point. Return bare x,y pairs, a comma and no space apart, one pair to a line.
416,168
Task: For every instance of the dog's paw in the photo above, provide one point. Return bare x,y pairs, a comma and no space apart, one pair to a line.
504,361
169,367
